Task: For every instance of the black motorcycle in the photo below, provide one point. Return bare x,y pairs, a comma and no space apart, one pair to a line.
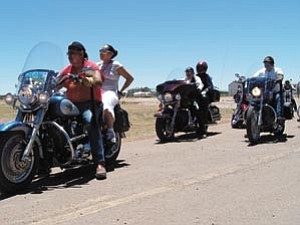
238,119
178,109
48,130
261,114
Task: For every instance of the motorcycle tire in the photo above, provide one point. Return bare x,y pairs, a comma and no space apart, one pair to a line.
15,174
112,150
253,130
162,130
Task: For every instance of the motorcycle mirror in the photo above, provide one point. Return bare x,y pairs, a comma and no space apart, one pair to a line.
237,75
20,78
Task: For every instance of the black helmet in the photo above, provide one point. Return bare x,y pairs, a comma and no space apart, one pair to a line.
77,46
111,49
190,69
269,59
201,66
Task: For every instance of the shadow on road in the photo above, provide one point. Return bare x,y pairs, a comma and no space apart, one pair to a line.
69,178
271,139
189,137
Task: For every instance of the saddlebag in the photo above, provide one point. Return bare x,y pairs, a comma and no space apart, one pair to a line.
122,123
214,95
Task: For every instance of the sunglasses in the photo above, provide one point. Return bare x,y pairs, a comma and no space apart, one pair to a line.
104,51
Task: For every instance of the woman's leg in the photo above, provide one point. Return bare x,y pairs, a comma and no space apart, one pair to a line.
110,100
108,118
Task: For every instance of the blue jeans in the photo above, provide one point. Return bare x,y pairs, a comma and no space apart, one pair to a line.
94,133
279,104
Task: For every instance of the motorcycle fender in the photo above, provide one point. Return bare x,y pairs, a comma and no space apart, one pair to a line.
14,126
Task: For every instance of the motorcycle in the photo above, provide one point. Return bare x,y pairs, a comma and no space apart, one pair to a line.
48,130
178,108
238,118
261,114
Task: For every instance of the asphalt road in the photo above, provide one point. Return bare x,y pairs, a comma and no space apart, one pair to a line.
218,180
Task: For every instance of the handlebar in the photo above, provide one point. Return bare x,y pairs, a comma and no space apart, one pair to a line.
74,77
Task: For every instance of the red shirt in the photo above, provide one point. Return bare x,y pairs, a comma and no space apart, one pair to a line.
77,92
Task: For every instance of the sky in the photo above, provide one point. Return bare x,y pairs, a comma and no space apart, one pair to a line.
155,37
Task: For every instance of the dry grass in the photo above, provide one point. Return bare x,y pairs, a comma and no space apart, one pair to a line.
6,112
141,119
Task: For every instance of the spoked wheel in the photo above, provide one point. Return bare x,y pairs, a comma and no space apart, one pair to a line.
253,130
16,174
163,129
112,150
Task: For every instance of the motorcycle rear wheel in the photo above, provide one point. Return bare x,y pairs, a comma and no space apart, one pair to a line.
253,130
112,150
16,174
163,132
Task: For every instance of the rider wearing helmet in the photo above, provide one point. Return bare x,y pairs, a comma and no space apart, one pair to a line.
201,68
191,78
276,74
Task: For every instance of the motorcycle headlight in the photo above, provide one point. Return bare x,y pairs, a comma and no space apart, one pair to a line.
26,96
256,92
160,98
9,99
43,98
168,97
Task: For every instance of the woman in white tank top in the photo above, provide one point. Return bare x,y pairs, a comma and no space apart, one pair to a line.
112,71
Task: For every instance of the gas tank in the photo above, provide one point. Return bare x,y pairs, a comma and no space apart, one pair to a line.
61,106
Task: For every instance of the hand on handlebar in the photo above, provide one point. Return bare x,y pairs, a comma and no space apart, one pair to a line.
88,81
82,78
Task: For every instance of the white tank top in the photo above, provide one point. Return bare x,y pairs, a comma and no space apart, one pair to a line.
111,75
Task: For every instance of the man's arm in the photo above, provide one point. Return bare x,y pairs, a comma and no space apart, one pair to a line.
198,82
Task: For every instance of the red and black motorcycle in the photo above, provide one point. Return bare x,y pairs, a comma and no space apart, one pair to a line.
178,109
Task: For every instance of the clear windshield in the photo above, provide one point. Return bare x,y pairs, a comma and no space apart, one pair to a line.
44,55
41,66
176,74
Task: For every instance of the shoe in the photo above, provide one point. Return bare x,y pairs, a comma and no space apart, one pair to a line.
111,136
100,172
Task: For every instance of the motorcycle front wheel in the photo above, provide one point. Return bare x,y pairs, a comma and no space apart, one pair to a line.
163,130
16,174
253,130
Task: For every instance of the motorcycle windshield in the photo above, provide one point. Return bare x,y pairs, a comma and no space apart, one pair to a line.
260,82
173,80
41,66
